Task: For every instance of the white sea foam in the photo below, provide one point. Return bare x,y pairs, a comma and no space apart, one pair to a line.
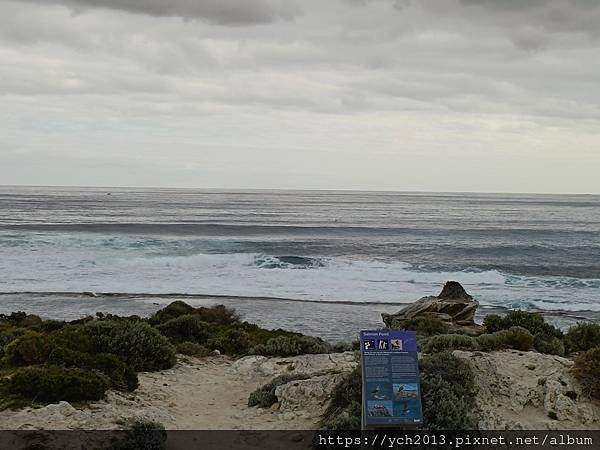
129,265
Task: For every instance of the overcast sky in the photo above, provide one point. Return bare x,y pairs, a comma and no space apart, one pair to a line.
434,95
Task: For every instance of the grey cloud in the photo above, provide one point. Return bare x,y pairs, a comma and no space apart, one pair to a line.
222,12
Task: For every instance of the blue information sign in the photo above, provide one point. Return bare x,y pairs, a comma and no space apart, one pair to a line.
390,369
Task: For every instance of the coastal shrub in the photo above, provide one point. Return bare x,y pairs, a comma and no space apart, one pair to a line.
545,343
122,376
531,321
516,337
49,326
291,346
445,342
29,349
9,333
232,341
451,369
192,349
427,326
136,343
219,314
344,410
53,384
341,347
74,338
447,386
185,328
171,311
582,337
587,370
443,408
21,319
264,396
146,435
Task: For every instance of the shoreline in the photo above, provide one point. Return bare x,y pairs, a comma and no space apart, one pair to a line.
330,320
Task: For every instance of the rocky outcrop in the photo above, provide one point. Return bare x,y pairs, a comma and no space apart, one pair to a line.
312,395
307,398
453,305
529,391
254,368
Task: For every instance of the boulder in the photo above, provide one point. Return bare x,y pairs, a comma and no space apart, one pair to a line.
453,305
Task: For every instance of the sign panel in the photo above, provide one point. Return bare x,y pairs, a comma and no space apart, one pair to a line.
390,369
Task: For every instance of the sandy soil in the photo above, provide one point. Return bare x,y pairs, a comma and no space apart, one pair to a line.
196,394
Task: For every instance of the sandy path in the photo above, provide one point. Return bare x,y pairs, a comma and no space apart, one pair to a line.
196,394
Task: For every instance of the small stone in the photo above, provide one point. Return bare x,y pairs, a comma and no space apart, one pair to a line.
530,366
275,406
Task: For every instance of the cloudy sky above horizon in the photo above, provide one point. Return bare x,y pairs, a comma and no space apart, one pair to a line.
433,95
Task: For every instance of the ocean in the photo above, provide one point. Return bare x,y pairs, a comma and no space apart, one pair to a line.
535,252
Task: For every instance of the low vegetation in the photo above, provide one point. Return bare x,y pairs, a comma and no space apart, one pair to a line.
515,337
47,360
52,384
145,435
582,337
587,371
447,386
344,411
265,396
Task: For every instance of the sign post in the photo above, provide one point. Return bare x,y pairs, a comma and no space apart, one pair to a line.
390,373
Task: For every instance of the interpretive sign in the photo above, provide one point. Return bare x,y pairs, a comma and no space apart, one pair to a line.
390,370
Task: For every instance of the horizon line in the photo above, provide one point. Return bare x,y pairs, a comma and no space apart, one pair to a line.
399,191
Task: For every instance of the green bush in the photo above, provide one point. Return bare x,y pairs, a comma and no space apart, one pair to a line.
341,347
48,326
218,314
185,328
121,375
21,319
192,349
427,326
583,336
545,343
9,333
74,338
443,408
531,321
451,369
291,346
516,337
447,385
232,341
136,343
53,384
587,371
265,396
344,410
29,349
144,435
171,311
445,342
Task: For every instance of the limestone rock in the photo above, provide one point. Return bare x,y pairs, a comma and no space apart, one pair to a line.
453,305
529,390
312,395
254,368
